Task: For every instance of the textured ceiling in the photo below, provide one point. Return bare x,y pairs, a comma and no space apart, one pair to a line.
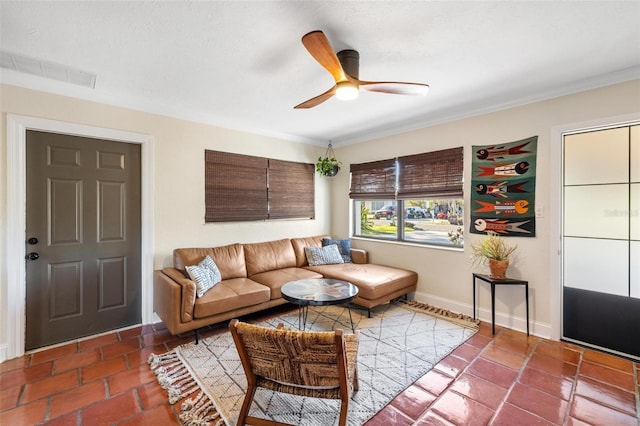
241,65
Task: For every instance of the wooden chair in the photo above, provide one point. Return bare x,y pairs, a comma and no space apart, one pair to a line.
305,363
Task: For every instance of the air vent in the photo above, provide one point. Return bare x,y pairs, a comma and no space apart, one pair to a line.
47,69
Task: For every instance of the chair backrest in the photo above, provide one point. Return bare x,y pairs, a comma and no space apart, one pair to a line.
298,358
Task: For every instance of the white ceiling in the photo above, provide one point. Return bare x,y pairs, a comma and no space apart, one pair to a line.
241,65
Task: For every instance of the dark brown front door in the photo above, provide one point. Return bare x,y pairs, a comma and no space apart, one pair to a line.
83,237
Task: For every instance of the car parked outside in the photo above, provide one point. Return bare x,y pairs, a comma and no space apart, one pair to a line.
414,212
387,212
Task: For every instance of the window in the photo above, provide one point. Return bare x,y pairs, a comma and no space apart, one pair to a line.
426,188
242,188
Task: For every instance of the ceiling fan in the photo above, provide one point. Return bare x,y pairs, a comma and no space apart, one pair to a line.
344,68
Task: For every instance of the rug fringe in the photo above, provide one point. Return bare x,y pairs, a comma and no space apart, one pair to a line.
460,319
175,378
200,412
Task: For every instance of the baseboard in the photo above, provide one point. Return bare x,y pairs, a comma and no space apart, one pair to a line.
3,353
503,320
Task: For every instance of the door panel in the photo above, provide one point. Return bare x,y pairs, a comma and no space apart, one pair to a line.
112,283
604,320
65,211
111,211
634,270
65,286
597,265
83,205
597,211
634,154
590,161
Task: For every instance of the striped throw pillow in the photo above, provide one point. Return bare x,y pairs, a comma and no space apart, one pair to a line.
328,255
205,274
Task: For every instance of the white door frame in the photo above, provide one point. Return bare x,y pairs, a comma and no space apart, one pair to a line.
17,126
557,161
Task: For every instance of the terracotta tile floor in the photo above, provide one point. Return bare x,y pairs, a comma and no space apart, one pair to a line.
506,379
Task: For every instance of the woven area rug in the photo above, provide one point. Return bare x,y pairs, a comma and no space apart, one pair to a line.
398,345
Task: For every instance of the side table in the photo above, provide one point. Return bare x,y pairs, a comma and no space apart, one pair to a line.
494,282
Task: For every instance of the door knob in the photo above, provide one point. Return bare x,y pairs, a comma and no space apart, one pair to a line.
33,256
32,241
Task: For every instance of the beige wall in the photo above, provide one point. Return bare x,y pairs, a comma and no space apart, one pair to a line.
178,201
445,275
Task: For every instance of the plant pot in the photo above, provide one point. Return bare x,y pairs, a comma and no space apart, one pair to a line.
498,268
333,171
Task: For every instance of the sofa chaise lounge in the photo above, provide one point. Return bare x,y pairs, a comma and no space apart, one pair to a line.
252,275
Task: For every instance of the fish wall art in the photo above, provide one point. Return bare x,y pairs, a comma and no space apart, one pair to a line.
503,184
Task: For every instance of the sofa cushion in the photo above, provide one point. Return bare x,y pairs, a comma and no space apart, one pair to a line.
373,281
344,246
269,256
276,279
230,259
205,274
328,255
300,243
229,295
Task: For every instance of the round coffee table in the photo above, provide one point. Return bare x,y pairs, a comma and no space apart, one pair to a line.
318,292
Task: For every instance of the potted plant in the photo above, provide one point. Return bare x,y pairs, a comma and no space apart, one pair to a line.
328,166
493,250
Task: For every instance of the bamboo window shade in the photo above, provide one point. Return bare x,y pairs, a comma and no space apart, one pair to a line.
291,190
436,174
374,180
237,188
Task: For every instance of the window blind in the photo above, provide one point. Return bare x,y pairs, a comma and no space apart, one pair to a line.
436,174
235,187
374,180
291,190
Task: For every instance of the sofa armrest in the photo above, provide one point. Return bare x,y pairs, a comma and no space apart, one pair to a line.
174,297
359,256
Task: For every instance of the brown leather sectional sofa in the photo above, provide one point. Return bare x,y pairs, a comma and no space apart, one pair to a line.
252,275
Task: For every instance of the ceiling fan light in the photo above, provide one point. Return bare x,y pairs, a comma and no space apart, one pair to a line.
346,91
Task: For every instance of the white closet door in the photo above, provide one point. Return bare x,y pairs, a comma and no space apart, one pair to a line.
601,239
596,206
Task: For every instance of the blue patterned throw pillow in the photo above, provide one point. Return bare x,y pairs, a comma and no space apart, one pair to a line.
205,274
344,247
328,255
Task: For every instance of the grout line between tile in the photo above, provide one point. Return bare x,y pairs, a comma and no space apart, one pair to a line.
574,385
506,395
47,409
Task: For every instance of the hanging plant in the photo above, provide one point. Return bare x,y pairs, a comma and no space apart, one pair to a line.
328,165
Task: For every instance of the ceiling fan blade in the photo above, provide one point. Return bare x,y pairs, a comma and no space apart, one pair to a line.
395,87
317,100
318,46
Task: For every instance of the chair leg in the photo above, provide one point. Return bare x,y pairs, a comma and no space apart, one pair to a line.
197,335
344,410
246,405
369,312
